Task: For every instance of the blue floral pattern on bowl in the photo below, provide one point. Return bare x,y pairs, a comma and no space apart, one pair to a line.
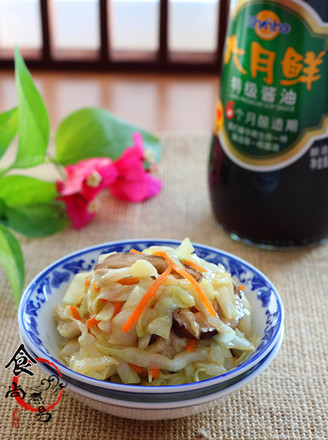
56,278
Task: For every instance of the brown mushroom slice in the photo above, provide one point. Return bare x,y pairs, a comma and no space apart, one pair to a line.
187,324
193,272
120,260
206,329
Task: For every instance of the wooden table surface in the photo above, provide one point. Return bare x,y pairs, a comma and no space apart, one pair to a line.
159,103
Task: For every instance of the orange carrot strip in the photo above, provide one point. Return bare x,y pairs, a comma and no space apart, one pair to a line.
137,368
96,288
133,318
87,282
92,322
194,265
192,280
128,281
155,372
75,313
117,307
191,345
242,287
134,251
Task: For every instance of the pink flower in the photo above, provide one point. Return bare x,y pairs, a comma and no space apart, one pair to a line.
78,209
126,179
88,177
84,182
134,183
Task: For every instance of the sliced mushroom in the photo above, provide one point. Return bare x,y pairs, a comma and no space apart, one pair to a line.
153,339
187,324
197,275
191,323
123,259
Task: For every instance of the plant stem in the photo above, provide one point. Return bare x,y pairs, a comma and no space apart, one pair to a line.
4,171
58,167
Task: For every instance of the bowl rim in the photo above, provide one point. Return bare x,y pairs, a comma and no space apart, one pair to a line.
148,406
248,363
151,398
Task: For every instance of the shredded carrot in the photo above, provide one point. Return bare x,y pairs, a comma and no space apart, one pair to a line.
137,368
134,251
192,280
92,322
96,288
87,282
242,287
75,313
117,307
199,290
192,345
194,266
128,281
133,318
155,373
103,300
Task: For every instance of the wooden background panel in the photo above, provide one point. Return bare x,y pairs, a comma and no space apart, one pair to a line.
173,103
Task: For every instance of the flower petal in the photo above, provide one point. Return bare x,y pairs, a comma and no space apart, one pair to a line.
77,209
107,174
134,183
138,145
79,177
136,191
154,186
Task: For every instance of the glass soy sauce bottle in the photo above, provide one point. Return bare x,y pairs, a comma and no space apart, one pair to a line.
268,165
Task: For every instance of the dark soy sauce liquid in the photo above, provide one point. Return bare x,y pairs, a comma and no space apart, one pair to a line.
288,207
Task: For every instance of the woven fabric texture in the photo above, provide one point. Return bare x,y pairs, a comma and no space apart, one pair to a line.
289,400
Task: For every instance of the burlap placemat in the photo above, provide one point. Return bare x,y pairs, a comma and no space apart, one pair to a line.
288,401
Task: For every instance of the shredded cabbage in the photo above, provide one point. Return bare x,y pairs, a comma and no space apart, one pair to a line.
156,350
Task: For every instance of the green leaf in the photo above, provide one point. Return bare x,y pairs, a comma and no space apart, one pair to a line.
94,132
24,190
8,128
37,220
3,208
33,119
12,260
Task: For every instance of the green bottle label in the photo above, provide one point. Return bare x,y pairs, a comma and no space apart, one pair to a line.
274,84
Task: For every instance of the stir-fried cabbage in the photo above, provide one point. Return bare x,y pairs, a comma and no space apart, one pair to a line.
174,337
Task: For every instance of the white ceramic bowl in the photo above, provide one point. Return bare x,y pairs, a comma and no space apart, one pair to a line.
161,409
38,331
